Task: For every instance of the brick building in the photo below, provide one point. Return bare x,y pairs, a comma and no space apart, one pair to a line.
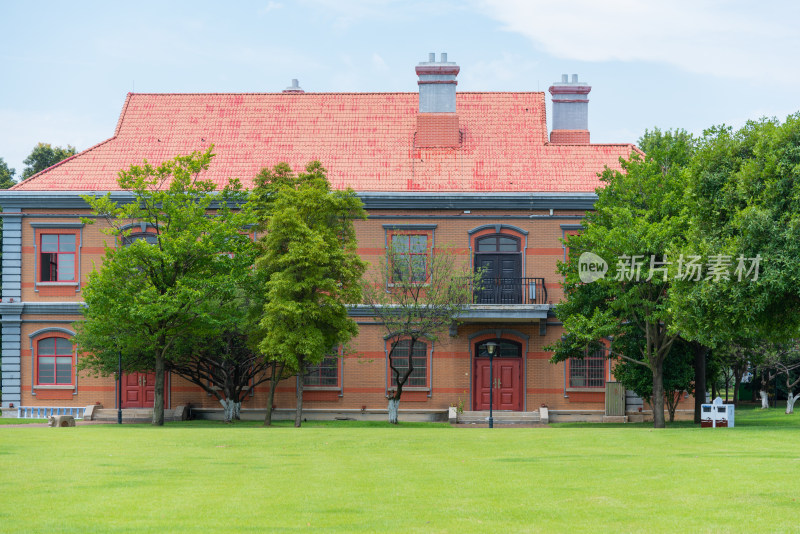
475,171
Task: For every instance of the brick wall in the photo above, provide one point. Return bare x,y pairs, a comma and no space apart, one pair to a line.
569,137
364,370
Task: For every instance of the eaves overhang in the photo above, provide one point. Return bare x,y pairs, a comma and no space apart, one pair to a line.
42,308
12,200
476,200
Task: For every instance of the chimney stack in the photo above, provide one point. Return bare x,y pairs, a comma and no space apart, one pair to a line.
437,121
570,111
294,88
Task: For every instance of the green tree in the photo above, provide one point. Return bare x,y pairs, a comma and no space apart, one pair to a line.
678,370
6,175
45,155
416,298
635,223
745,210
224,364
148,302
308,263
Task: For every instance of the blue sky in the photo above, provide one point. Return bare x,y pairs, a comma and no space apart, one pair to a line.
65,67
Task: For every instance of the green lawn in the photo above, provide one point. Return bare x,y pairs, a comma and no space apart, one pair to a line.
209,477
15,421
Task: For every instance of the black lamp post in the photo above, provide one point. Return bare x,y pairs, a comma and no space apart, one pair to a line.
491,347
119,389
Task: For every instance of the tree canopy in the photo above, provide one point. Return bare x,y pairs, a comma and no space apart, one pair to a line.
183,253
308,266
6,175
744,208
635,223
45,155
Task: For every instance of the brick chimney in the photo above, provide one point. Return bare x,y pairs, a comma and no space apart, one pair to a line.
570,111
437,121
294,88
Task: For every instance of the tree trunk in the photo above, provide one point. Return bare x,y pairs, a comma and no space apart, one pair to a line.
764,399
158,401
275,378
298,414
237,411
790,400
673,400
737,386
658,395
228,409
394,408
714,393
700,353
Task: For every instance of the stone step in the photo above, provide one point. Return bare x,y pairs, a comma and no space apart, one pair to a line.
138,414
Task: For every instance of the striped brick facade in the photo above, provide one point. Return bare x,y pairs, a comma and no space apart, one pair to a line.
457,167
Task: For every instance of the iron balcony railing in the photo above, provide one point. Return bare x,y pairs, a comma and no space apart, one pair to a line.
510,291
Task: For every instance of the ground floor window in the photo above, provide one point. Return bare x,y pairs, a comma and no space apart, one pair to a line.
54,361
323,374
400,355
588,372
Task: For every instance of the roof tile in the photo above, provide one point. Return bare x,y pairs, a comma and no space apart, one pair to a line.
365,140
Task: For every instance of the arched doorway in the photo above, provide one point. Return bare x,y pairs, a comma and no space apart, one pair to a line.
507,392
500,259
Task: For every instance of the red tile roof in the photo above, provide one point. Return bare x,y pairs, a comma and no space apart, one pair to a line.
365,140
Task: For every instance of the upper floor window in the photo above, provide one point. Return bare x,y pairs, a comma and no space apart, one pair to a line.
58,255
497,243
409,257
323,374
588,372
150,237
54,361
419,359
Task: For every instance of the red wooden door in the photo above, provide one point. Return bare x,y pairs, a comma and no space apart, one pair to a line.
139,390
507,394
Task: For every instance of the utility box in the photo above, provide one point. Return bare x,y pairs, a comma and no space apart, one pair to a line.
717,414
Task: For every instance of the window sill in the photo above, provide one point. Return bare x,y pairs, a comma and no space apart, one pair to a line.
598,389
411,388
400,284
55,386
57,284
321,388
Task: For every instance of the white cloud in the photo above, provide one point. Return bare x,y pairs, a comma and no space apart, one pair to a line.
378,62
506,71
271,6
743,40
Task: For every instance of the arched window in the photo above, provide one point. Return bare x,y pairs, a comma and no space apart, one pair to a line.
505,349
419,376
54,358
150,237
497,243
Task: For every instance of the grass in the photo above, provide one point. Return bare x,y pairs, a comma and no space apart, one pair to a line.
341,476
16,421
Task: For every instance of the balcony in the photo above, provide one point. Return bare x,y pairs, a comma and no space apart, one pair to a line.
508,300
506,291
499,300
